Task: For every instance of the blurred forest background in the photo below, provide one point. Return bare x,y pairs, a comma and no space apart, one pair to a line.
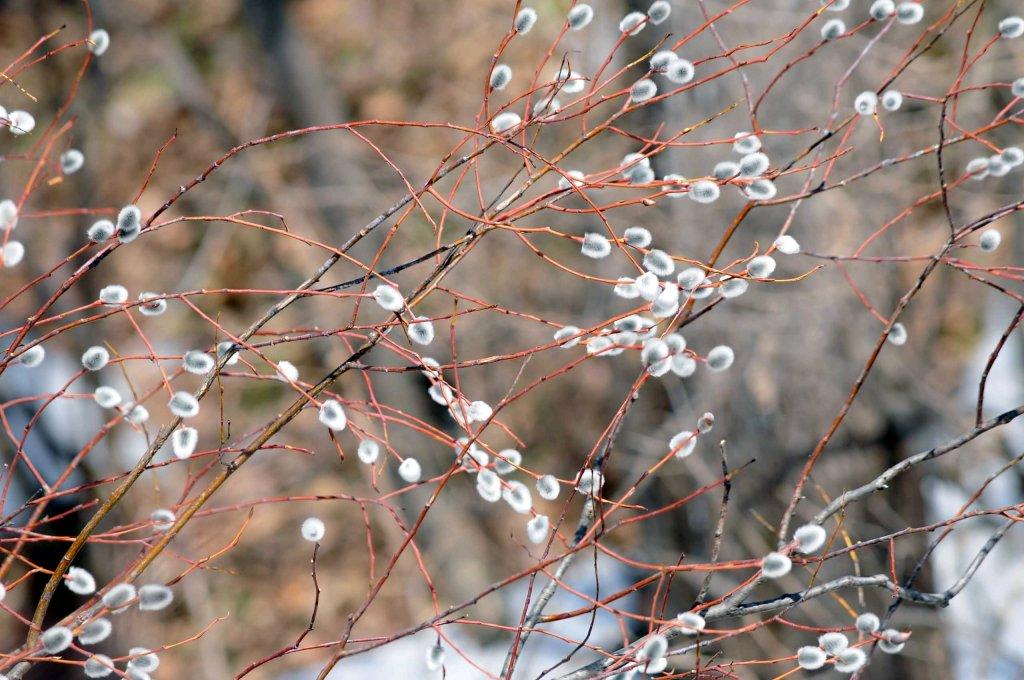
221,72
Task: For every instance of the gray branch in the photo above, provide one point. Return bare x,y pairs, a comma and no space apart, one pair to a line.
882,481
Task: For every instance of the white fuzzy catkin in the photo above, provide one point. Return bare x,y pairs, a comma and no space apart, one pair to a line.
648,286
641,175
56,639
754,164
654,350
1017,88
183,442
368,451
850,660
518,497
580,16
80,581
155,596
701,292
227,347
479,411
704,191
505,121
20,122
548,487
683,443
118,597
725,170
691,277
892,100
977,168
775,565
893,641
332,414
898,334
866,103
313,529
567,332
143,660
99,41
676,343
760,189
507,461
787,245
197,362
287,372
421,330
836,5
810,658
410,470
659,262
661,60
95,358
525,20
113,295
129,223
95,631
501,76
638,237
32,357
734,287
659,11
162,519
573,178
833,643
990,240
1012,156
882,9
100,231
832,29
678,186
868,623
690,623
8,214
571,81
184,405
761,267
633,23
1011,27
589,482
435,657
595,245
152,304
473,459
720,358
667,302
997,167
909,12
680,71
488,486
71,161
809,538
388,298
746,143
642,90
633,163
98,666
537,529
547,107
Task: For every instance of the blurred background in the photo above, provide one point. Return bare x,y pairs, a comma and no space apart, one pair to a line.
220,73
